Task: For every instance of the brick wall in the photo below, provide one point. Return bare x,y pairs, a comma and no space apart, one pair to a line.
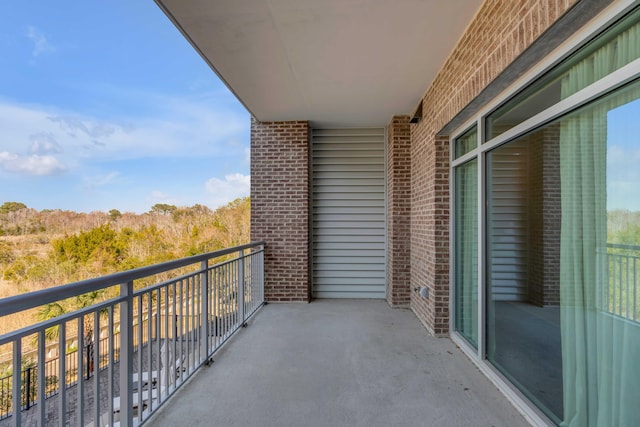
430,233
546,213
280,206
552,215
499,33
398,211
535,238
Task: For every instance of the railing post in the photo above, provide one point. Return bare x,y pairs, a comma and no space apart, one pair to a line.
42,376
111,361
95,366
17,379
204,297
601,259
240,297
126,354
175,327
261,273
88,349
62,372
79,356
28,388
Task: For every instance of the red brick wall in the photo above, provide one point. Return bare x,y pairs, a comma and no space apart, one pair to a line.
499,33
280,206
398,211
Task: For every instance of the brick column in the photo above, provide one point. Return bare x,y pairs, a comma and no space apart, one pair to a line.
280,206
399,212
439,218
430,228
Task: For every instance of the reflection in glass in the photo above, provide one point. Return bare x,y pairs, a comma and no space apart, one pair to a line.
523,237
466,142
610,51
466,256
563,262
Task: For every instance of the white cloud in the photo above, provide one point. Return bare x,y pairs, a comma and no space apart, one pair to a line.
180,128
232,187
44,143
40,43
43,139
39,160
34,164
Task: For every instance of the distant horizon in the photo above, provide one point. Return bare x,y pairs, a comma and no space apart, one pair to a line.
2,202
107,106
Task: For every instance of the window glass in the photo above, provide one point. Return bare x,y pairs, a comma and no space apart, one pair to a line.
466,142
466,255
563,261
612,50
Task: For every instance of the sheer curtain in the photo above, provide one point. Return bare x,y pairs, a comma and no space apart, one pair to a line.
600,352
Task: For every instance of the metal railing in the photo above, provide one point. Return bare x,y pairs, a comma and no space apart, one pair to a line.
621,296
51,367
160,325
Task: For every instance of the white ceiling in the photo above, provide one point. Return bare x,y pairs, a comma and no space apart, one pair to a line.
333,62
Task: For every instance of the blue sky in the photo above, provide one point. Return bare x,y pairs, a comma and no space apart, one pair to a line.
623,157
105,105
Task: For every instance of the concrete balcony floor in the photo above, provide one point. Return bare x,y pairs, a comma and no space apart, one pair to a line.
338,363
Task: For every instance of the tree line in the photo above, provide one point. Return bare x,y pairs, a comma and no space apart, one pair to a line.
40,249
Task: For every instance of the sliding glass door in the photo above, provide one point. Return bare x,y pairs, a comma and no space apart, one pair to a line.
554,226
523,257
563,263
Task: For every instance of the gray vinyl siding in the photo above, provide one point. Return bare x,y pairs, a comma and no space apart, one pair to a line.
348,205
508,220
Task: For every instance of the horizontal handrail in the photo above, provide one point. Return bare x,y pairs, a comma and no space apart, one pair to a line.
30,300
621,246
44,324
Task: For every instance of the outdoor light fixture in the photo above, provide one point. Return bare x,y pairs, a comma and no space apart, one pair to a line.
422,290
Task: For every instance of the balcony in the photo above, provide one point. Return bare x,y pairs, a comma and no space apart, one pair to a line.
331,362
116,361
339,363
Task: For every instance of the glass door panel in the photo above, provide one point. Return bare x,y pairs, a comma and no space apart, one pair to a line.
466,252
